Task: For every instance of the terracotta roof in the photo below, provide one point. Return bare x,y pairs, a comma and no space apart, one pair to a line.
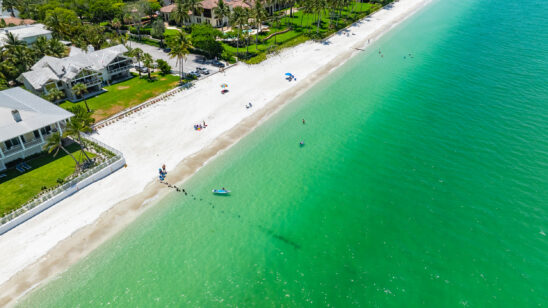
168,8
211,4
17,21
240,3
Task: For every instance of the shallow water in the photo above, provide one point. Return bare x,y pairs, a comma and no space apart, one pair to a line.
422,182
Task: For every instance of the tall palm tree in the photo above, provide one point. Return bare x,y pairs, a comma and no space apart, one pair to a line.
74,129
179,45
319,6
80,90
195,6
54,143
237,19
137,53
221,11
259,15
148,62
180,14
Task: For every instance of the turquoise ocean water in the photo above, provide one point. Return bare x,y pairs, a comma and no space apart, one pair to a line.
423,182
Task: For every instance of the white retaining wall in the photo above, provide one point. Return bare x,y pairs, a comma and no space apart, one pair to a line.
69,191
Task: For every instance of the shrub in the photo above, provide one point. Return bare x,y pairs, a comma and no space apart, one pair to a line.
164,67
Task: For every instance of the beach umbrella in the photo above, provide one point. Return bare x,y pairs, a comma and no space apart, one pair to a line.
288,74
224,85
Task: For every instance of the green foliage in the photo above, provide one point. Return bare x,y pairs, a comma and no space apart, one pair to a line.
204,37
164,67
55,95
158,29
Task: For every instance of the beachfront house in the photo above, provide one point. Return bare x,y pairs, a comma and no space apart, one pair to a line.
94,69
26,33
207,14
26,121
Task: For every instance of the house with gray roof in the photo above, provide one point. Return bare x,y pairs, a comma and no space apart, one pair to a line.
94,69
26,121
26,33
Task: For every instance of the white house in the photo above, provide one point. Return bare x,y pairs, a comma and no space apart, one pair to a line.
93,69
26,121
26,33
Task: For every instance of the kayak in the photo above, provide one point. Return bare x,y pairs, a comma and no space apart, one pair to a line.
220,191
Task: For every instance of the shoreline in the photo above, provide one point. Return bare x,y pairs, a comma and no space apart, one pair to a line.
81,238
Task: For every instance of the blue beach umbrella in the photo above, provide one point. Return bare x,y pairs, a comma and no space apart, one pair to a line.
288,74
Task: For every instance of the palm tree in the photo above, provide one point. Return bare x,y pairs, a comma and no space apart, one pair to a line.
221,11
237,19
80,90
319,7
137,53
74,129
180,14
12,40
54,143
116,24
40,47
148,62
55,48
259,15
55,95
179,45
195,6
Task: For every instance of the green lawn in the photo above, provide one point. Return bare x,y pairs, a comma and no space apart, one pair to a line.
303,26
127,94
19,188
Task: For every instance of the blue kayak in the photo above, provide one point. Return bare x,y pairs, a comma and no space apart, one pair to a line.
221,191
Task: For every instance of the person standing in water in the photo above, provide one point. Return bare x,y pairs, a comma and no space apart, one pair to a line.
304,122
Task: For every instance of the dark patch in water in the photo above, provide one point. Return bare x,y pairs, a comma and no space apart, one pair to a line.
280,237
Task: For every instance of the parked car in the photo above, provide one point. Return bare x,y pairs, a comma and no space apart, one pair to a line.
205,72
141,69
200,68
167,50
195,74
218,64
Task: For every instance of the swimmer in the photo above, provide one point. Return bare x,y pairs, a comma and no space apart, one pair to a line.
304,121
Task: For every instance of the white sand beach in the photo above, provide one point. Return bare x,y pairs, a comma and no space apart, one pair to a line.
164,134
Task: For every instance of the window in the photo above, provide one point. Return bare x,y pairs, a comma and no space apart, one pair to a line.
11,143
36,134
45,130
207,13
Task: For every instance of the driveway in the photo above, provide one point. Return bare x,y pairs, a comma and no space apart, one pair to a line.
192,61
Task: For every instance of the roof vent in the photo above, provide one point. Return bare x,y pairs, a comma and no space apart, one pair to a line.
16,115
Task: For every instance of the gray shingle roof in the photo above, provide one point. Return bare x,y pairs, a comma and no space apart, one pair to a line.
67,68
35,113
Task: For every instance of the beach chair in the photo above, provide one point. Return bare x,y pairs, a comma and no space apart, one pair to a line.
20,168
26,166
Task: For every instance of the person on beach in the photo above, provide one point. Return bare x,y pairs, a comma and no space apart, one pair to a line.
164,168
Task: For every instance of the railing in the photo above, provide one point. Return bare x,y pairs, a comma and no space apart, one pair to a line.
33,143
119,69
93,82
14,149
116,161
